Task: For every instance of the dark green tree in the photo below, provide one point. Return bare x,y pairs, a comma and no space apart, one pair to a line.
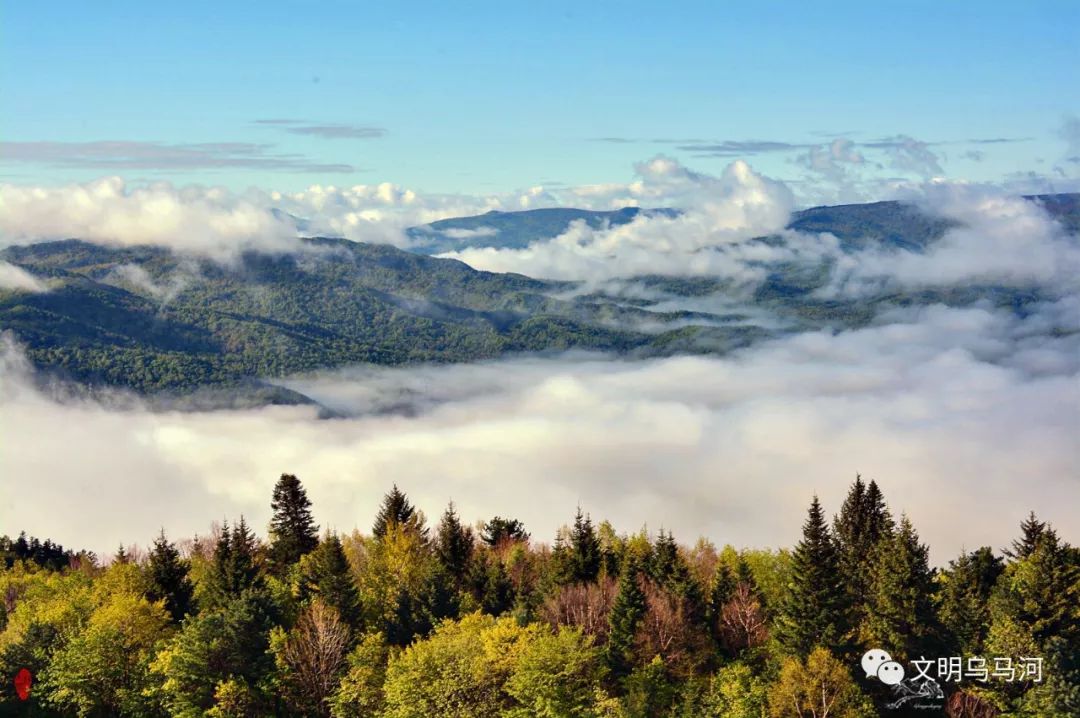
325,573
293,532
1031,530
167,576
500,530
234,566
627,611
721,589
1046,588
585,550
815,608
862,523
963,601
901,618
454,546
396,510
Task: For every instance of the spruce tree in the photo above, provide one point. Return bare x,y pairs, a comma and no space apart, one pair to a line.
234,566
585,550
901,618
121,555
815,605
721,590
293,532
627,611
1031,530
862,523
396,511
167,575
669,570
454,545
963,601
325,573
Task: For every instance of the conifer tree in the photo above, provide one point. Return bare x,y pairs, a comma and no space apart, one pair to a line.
396,510
963,600
326,574
721,589
584,550
1046,585
815,606
454,545
293,532
627,611
167,575
499,530
1031,530
862,523
121,555
234,566
901,618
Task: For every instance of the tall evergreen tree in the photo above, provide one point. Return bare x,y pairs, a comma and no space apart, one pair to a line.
234,566
901,618
584,550
293,532
167,575
721,589
325,573
862,523
669,570
396,510
1031,530
815,608
627,611
454,545
963,601
1046,585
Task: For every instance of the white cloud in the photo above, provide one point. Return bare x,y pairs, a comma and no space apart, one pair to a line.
195,219
12,277
947,409
1000,240
708,238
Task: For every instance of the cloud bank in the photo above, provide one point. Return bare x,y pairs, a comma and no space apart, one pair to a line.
967,417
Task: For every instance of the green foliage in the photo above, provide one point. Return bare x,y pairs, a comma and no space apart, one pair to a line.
964,598
626,614
129,640
817,687
104,668
293,532
360,693
557,675
396,511
325,574
816,604
167,575
499,530
454,546
900,613
234,567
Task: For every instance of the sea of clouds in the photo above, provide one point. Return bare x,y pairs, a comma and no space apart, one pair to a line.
967,417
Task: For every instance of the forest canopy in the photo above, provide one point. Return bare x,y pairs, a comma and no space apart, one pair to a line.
421,618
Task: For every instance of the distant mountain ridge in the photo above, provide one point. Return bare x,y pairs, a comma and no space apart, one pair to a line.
890,222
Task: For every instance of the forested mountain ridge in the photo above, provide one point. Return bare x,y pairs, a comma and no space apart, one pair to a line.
151,320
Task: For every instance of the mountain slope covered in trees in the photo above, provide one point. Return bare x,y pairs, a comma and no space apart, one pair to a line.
151,320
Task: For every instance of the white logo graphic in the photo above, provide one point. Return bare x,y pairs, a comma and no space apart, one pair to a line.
890,673
873,659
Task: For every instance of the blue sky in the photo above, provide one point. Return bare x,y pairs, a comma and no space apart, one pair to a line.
485,97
